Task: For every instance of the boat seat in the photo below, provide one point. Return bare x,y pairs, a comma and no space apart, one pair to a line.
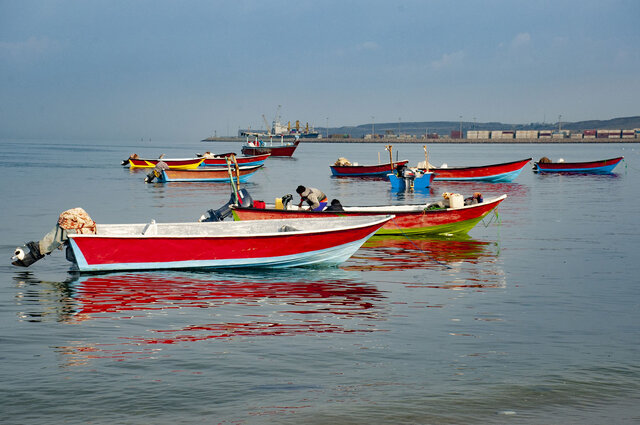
150,229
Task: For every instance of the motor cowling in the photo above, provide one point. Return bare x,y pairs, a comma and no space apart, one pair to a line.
27,255
225,211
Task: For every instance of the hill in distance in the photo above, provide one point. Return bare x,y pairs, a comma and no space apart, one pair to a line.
445,127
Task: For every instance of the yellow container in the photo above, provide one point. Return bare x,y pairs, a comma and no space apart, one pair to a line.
279,205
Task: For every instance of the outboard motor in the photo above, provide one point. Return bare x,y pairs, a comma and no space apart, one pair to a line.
225,211
75,220
286,200
23,258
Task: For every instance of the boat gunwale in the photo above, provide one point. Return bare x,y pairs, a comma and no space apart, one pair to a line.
247,223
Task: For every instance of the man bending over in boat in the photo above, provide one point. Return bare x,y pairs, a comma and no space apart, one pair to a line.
316,199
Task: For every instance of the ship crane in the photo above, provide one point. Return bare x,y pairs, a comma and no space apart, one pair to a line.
267,128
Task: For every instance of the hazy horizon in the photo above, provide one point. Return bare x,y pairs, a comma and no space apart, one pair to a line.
184,71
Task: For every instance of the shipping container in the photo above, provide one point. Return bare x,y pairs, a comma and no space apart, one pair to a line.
589,132
456,134
576,136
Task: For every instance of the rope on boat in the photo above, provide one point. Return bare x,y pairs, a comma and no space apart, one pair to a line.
498,220
494,218
418,248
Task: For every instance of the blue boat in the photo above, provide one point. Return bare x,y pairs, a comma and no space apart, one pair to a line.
418,181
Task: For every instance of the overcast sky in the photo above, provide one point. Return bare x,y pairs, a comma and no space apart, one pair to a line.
184,70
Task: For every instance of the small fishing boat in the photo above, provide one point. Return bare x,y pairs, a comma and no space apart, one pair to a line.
174,163
603,166
425,219
214,174
221,159
257,147
504,172
353,170
196,245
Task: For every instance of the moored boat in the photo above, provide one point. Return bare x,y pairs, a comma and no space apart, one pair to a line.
196,245
221,160
424,219
406,179
213,174
504,172
603,166
282,148
174,163
354,170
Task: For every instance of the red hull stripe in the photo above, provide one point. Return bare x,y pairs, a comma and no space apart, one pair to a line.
92,250
478,172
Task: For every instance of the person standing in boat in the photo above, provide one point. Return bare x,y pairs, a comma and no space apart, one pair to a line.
316,199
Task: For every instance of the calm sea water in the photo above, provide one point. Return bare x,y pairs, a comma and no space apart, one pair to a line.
534,318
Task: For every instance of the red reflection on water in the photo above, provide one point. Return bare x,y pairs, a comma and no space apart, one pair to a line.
394,252
488,190
109,296
140,292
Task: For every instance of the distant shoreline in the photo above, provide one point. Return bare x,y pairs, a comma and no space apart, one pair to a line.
440,140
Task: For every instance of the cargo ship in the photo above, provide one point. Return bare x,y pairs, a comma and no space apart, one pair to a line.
277,130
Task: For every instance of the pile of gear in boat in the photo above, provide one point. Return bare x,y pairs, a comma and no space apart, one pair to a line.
242,198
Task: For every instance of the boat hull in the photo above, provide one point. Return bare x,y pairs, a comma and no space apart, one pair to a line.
241,160
364,170
495,173
214,245
604,166
174,164
285,150
419,183
408,220
207,175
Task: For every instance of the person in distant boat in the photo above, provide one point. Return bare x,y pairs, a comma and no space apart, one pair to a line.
316,199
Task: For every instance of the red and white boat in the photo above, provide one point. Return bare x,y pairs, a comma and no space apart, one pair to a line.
282,148
197,245
221,160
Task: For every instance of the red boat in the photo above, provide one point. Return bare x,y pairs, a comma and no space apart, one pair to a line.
195,245
409,219
365,170
174,163
285,148
505,172
221,160
604,166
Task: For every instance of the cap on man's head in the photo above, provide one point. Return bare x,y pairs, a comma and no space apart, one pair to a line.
300,189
